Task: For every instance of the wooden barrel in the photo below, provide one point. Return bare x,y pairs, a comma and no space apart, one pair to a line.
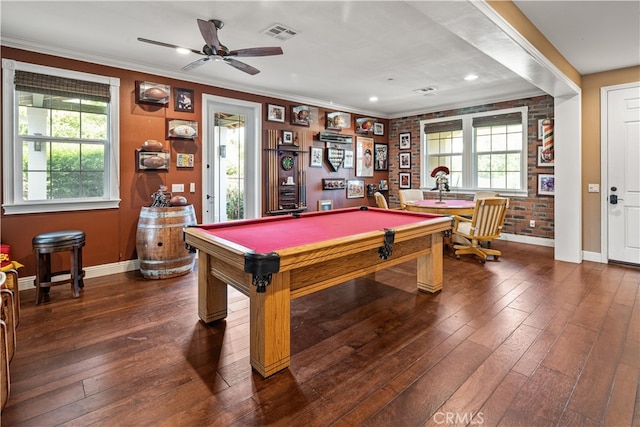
159,241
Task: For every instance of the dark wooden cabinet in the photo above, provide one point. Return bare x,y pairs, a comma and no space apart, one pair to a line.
285,173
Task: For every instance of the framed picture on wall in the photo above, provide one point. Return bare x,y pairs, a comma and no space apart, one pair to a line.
183,100
405,141
355,188
287,137
545,158
348,159
404,180
364,156
546,184
405,160
275,113
380,157
378,128
315,157
184,160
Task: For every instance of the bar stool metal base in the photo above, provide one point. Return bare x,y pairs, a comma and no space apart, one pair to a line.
58,241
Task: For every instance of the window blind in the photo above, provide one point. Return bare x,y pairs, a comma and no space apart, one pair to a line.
498,120
61,86
446,126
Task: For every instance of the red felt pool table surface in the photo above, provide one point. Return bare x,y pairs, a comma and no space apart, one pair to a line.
269,234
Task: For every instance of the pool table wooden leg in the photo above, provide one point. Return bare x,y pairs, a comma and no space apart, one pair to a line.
430,266
212,292
271,326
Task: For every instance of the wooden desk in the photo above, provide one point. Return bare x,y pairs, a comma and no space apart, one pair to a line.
446,207
273,260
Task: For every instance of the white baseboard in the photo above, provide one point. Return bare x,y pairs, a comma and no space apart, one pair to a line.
593,257
27,282
530,240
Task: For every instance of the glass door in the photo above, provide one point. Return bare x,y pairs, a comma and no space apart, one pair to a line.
230,134
232,170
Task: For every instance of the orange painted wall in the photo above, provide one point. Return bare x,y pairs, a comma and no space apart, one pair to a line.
111,233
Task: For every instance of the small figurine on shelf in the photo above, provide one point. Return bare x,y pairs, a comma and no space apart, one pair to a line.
160,199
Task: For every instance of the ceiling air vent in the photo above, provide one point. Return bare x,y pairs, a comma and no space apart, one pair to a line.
280,32
426,90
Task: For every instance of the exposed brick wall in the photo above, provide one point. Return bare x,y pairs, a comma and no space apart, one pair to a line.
521,209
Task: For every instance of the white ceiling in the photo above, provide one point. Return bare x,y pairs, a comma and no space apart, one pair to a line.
345,51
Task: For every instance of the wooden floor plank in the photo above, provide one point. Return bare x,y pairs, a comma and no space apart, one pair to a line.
593,390
620,407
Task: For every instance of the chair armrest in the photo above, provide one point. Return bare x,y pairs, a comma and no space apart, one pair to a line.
458,219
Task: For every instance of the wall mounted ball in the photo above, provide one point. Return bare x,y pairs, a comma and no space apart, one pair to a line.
152,145
154,162
155,93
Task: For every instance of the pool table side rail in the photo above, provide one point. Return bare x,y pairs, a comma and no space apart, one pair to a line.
312,253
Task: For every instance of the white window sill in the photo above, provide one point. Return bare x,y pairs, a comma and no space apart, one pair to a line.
30,208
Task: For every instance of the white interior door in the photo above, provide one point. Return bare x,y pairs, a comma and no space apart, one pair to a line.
623,174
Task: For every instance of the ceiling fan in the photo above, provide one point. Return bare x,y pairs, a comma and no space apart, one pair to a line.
213,50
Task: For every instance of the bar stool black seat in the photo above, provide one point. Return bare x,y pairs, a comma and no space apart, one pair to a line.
58,241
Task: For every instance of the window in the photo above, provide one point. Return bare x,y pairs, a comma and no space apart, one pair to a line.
483,151
63,126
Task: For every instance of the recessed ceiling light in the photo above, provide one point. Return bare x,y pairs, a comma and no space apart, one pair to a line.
373,98
470,77
182,50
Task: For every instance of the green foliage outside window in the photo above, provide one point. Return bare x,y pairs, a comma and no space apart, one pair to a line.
63,153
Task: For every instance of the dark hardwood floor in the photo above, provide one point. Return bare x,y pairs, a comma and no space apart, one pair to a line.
525,341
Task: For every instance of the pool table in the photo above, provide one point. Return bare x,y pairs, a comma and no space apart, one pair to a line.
275,259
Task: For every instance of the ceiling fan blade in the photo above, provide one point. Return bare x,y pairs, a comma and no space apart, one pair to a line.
172,46
195,64
209,34
241,66
256,51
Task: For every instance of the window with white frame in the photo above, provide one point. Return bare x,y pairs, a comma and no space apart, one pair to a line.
483,151
60,131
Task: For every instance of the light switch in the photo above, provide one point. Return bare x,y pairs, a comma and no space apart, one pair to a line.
594,188
177,188
192,187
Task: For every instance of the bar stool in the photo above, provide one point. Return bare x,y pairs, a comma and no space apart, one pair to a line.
58,241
